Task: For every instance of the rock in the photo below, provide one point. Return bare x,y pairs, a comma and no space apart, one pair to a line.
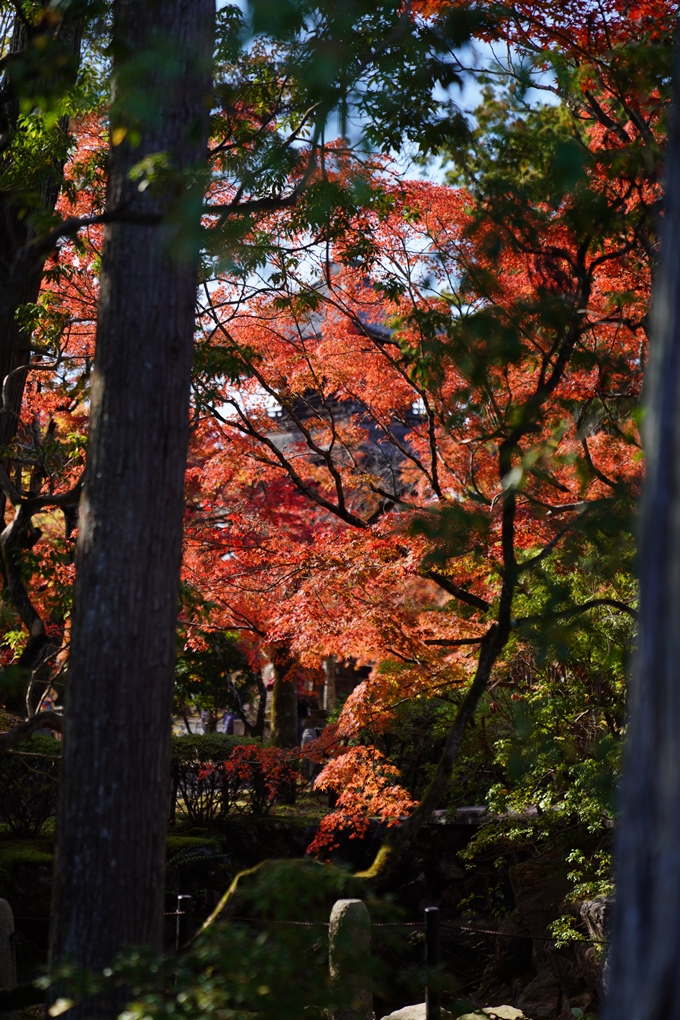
541,998
417,1012
349,955
471,815
503,1012
595,914
450,869
540,903
8,965
513,952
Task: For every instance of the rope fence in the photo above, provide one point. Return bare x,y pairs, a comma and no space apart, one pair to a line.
187,915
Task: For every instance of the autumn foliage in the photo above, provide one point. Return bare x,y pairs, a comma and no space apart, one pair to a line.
414,433
256,775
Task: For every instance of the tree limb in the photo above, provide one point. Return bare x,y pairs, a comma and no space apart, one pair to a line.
459,593
575,610
453,641
42,721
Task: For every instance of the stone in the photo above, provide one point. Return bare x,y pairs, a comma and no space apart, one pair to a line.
542,997
8,964
417,1012
349,959
596,914
539,904
503,1012
450,869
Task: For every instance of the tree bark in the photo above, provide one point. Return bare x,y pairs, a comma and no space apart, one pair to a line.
113,811
258,729
284,698
644,973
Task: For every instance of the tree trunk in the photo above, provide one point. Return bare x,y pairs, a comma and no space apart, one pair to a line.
258,729
113,811
284,698
644,973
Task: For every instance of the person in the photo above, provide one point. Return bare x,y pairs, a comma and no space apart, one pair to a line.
304,710
228,723
308,734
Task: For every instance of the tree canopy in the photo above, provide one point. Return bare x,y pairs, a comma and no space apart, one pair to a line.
419,341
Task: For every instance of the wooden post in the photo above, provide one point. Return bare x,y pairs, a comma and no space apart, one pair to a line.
349,957
8,964
185,920
432,961
329,684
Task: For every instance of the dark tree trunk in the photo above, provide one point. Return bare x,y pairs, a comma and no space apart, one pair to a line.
284,698
113,812
258,729
644,972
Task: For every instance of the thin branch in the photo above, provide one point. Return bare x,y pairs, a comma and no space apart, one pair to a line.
575,610
453,641
459,593
596,471
552,544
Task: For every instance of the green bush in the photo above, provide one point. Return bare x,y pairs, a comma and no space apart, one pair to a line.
190,748
28,785
197,790
21,855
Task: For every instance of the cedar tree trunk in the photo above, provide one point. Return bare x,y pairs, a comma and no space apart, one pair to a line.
644,971
115,791
284,698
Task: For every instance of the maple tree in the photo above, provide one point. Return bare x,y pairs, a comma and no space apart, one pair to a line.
414,405
456,391
122,641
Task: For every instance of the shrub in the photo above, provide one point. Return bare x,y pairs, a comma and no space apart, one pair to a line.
255,774
197,788
28,785
197,747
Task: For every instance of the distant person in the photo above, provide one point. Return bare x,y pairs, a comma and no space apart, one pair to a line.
308,734
304,710
228,723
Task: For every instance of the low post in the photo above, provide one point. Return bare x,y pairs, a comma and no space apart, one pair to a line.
8,963
349,958
185,920
328,703
432,960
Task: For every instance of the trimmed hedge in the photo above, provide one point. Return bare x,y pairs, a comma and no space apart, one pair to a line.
29,781
201,796
199,747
